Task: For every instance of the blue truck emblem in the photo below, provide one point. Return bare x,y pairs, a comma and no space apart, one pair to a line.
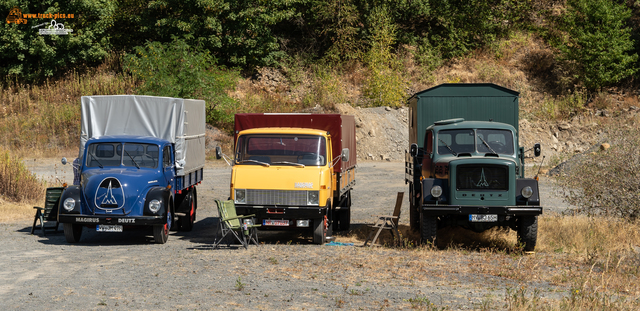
110,194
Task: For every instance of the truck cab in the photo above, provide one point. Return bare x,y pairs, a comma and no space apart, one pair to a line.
284,177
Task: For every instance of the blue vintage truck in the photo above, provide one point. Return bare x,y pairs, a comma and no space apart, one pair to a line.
141,158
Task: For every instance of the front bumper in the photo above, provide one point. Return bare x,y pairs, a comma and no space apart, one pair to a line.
112,220
278,212
519,210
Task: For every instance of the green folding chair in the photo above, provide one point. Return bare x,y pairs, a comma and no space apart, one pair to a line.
231,223
48,215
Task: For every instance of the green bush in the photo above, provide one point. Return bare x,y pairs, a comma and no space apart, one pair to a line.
598,40
606,181
178,70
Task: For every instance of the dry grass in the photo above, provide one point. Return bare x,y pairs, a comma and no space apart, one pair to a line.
11,212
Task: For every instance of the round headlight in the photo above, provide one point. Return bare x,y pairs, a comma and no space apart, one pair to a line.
69,204
154,206
436,191
527,192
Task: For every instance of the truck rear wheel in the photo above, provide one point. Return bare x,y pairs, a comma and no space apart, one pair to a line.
185,223
528,232
320,231
428,229
72,232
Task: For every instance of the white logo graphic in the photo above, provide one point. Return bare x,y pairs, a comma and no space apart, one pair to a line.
303,185
110,194
109,198
483,181
54,29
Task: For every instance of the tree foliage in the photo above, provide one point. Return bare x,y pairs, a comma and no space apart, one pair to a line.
598,40
28,56
176,69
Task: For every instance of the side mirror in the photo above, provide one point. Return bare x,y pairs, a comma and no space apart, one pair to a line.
413,150
536,150
218,152
345,155
64,161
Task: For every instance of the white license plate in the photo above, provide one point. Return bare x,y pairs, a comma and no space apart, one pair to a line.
483,218
109,228
272,222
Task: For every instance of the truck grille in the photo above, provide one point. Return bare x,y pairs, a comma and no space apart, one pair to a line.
276,197
482,177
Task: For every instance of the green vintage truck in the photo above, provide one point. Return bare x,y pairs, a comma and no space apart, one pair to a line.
465,167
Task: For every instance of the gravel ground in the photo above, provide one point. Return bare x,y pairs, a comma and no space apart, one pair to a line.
124,271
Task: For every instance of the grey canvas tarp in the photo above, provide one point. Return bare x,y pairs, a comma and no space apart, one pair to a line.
180,121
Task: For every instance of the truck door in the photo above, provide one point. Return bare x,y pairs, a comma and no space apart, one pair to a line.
167,165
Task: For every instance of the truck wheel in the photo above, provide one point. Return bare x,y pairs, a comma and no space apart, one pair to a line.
161,232
345,219
320,231
186,222
428,229
72,232
528,232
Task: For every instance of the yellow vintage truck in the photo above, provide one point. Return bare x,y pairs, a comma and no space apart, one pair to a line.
295,171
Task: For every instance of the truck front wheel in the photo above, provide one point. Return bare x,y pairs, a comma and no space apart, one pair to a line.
72,232
320,230
428,229
528,232
161,232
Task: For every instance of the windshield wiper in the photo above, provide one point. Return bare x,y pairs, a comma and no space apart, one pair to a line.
93,157
255,161
445,144
486,144
287,162
132,160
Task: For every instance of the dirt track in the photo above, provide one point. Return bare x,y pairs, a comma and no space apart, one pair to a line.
125,271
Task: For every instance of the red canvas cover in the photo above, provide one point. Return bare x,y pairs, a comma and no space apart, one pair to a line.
342,129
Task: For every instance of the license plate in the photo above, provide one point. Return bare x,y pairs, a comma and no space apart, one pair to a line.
483,218
272,222
109,228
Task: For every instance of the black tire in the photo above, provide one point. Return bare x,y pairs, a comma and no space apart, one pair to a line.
185,223
319,231
72,232
428,230
528,232
161,232
344,219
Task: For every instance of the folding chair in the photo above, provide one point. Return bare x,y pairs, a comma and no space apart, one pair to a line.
49,213
387,223
230,222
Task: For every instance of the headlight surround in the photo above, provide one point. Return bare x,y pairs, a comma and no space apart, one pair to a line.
436,191
240,196
155,205
526,192
313,197
69,204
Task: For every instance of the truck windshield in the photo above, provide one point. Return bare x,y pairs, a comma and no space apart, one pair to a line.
277,149
479,140
134,155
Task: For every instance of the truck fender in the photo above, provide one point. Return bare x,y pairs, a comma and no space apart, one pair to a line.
75,192
523,182
427,184
162,194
